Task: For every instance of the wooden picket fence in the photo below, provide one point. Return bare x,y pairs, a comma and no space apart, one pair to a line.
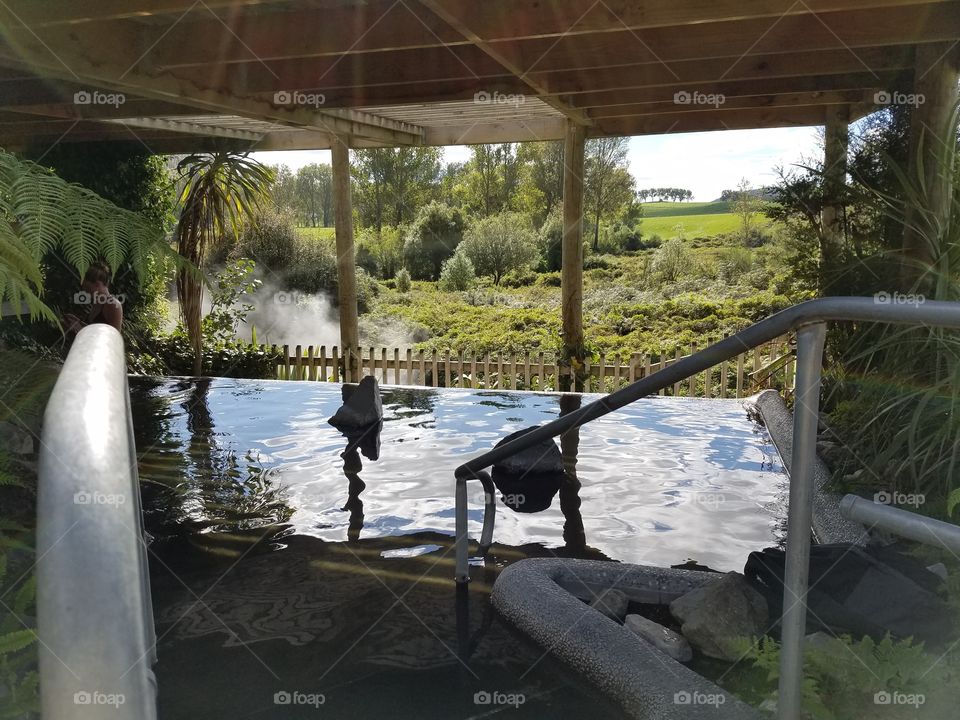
768,366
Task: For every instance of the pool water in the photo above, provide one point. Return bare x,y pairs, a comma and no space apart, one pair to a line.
291,581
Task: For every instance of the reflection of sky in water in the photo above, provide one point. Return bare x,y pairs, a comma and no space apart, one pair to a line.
663,480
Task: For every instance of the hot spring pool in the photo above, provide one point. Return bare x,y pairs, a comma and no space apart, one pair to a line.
281,572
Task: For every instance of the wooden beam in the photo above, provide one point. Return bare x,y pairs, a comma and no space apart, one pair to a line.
437,6
188,127
571,277
346,271
837,97
709,121
932,130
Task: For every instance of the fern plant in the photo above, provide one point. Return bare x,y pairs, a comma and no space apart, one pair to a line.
19,679
40,213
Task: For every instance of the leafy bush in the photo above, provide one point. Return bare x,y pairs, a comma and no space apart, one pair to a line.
402,280
432,238
499,244
270,238
524,277
457,274
551,279
312,269
19,677
671,261
733,264
550,242
227,312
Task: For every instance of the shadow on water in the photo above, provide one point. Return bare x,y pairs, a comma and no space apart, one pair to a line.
266,583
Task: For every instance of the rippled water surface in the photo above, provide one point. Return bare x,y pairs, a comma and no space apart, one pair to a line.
281,566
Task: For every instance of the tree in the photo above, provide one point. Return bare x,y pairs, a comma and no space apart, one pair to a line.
607,183
219,189
745,206
392,183
541,178
314,194
284,190
491,178
500,243
433,237
457,273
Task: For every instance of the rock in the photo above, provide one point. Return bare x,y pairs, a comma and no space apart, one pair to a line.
362,408
664,639
715,616
938,569
14,439
544,457
612,603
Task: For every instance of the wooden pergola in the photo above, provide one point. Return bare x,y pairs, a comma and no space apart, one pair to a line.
190,75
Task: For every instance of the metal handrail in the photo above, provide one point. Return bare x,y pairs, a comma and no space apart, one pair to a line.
809,320
94,611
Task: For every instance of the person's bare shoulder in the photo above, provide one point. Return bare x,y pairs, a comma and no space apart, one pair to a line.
113,313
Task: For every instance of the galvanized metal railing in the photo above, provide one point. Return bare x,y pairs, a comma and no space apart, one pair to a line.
809,321
94,612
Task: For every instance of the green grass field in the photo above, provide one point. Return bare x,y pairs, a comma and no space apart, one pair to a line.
317,233
703,219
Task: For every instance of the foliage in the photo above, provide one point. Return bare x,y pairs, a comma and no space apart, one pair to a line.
41,214
608,185
663,194
19,677
392,183
432,238
268,236
500,243
457,274
219,189
381,253
227,312
541,179
671,261
846,678
403,280
490,179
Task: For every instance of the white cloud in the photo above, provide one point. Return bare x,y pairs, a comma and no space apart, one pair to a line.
706,163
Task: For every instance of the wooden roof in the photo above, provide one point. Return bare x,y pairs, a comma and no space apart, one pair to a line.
181,75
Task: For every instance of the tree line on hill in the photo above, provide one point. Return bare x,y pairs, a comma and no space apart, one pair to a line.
664,194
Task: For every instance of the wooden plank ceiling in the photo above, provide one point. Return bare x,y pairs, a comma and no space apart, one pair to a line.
181,75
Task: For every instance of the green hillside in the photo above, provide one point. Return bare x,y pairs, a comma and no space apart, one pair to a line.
699,219
672,209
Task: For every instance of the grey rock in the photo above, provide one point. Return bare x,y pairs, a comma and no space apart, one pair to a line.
612,603
714,617
544,457
14,439
662,638
362,408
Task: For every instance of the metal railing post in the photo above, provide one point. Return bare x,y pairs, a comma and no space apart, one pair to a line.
810,341
462,571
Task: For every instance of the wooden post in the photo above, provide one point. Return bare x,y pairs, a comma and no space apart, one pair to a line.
346,271
571,278
936,73
836,140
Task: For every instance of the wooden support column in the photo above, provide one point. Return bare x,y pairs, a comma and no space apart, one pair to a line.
346,272
936,75
836,140
571,279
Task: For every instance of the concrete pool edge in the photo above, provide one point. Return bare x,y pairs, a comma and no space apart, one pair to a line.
535,596
829,526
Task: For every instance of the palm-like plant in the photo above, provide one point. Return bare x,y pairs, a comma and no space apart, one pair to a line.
219,190
40,213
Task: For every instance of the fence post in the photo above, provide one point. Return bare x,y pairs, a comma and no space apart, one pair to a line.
396,366
692,383
298,370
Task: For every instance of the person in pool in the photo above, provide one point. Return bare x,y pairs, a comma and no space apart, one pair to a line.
102,306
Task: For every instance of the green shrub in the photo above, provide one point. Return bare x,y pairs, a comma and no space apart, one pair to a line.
432,238
270,238
402,279
312,268
499,244
550,279
457,273
595,262
671,261
733,264
550,242
523,277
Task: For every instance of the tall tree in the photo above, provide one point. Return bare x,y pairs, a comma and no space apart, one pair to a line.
392,183
314,194
608,185
284,190
491,178
219,190
541,178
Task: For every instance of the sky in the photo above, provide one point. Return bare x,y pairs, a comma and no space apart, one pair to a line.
705,163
